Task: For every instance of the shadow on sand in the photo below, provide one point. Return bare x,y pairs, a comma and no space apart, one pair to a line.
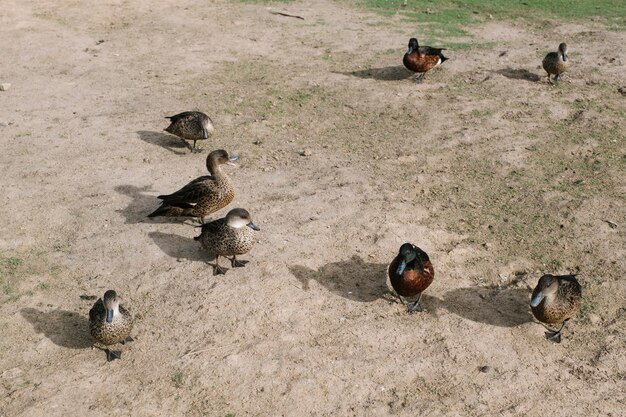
181,247
166,141
393,73
64,328
518,74
497,306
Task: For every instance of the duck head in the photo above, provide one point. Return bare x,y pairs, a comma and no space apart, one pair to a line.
111,304
407,254
238,217
563,51
413,45
219,157
546,287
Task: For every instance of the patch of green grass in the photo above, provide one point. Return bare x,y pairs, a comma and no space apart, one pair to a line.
265,1
178,379
447,18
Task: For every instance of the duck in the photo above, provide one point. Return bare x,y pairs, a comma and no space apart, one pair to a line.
204,195
191,125
229,236
421,59
555,299
110,323
556,63
410,273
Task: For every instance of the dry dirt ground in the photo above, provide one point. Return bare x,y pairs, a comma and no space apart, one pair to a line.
498,175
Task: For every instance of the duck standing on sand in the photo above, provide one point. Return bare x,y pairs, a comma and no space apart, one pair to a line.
229,236
410,273
556,299
421,59
110,323
556,63
204,195
190,125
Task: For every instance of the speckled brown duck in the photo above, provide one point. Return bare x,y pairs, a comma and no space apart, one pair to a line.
110,323
204,195
230,236
556,299
556,63
421,59
190,125
410,273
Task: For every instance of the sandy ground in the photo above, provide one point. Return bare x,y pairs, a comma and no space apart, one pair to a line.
498,175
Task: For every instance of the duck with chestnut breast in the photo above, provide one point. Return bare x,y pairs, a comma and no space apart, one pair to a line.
229,236
190,125
410,273
556,299
421,59
110,323
204,195
556,63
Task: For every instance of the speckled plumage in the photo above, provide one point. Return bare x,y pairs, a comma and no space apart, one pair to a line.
555,299
191,125
410,273
556,62
202,196
229,236
421,59
117,330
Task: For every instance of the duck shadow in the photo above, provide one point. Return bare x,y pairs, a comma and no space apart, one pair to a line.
141,204
64,328
353,279
497,306
392,73
169,142
519,74
181,247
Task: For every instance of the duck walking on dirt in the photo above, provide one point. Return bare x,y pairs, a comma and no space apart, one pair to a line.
410,273
421,59
556,299
556,63
110,323
230,236
204,195
190,125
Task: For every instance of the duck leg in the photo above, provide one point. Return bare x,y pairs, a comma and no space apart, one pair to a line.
218,270
415,306
238,263
556,336
111,354
419,77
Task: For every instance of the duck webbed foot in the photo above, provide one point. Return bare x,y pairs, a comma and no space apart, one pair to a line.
128,340
113,354
419,78
217,269
556,336
415,306
238,263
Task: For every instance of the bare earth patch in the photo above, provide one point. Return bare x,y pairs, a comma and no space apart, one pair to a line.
498,175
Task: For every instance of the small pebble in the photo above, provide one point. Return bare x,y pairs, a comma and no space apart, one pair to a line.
306,152
485,369
5,86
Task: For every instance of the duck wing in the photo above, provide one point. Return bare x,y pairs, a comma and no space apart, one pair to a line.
190,194
427,50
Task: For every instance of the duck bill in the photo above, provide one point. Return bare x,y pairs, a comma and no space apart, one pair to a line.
253,226
537,298
232,159
410,50
205,133
401,267
109,315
